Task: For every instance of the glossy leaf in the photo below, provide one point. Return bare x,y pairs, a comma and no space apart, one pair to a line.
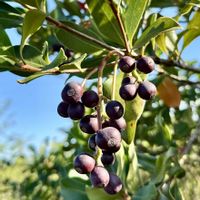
105,20
77,43
34,3
133,15
75,64
32,22
169,93
163,24
193,30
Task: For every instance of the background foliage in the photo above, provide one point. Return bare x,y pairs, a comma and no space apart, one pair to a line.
162,162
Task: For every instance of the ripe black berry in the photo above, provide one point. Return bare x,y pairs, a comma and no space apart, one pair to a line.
145,64
62,109
129,80
146,90
108,139
127,64
72,92
108,158
128,91
92,143
105,124
99,177
114,185
76,110
84,163
114,109
90,98
119,124
89,124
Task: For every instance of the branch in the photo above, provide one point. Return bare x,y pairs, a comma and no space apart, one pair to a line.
192,139
179,79
119,20
82,35
172,63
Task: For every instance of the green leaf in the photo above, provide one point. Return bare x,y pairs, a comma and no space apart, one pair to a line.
162,163
132,179
175,191
73,189
133,15
31,77
162,25
105,20
10,17
193,29
5,41
34,3
32,22
60,58
100,194
133,111
75,64
146,192
74,42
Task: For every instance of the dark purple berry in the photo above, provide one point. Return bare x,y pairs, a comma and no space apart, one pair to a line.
99,177
145,64
114,186
69,53
76,110
128,92
114,109
89,124
108,139
119,124
129,80
84,163
105,124
62,109
127,64
90,98
72,92
147,90
108,158
92,143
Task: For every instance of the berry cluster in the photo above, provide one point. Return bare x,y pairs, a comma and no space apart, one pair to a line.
130,86
105,133
107,139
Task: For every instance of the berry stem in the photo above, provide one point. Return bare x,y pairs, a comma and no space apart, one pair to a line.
88,76
136,75
100,84
114,79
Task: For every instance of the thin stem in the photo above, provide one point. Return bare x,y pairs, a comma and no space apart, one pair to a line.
114,79
136,75
100,84
119,20
93,71
82,35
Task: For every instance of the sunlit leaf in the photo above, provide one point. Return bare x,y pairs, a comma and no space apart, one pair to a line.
133,15
162,24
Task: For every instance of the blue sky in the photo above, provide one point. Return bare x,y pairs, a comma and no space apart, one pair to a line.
33,106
